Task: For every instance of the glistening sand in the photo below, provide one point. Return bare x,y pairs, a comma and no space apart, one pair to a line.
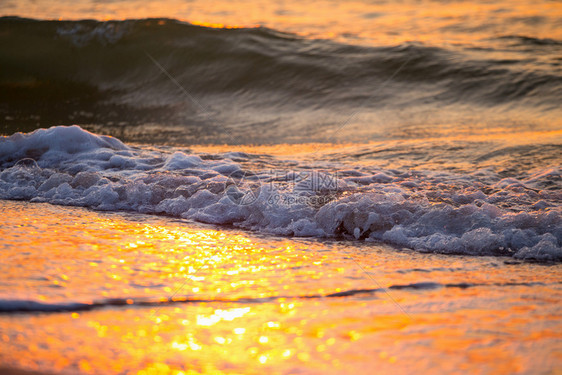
251,303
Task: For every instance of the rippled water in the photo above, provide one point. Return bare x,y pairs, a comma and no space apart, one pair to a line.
139,293
323,71
294,187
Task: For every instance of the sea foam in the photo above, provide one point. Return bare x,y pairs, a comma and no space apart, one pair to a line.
443,212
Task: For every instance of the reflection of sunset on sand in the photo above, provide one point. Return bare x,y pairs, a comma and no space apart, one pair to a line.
280,187
266,304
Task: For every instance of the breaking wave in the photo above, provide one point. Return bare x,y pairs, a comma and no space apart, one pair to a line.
118,73
479,213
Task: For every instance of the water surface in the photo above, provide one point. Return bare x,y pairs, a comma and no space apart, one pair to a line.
122,293
280,187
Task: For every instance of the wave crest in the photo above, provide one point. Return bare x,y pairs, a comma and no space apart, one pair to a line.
112,72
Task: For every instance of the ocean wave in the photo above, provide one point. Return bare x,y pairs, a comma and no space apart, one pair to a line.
479,213
532,41
119,72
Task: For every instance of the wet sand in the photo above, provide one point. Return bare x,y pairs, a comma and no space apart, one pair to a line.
201,299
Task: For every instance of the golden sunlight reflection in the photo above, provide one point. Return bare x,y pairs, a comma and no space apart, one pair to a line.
218,315
446,134
364,22
460,149
273,315
460,122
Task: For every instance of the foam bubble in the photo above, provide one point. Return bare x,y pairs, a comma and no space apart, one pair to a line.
427,211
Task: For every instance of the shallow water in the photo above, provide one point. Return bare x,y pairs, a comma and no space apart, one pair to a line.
280,187
121,293
464,208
